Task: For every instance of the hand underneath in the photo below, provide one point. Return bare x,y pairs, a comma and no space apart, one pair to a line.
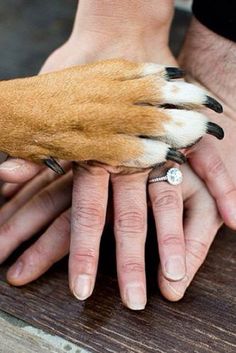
213,162
182,246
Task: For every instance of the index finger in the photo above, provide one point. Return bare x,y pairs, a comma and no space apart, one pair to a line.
89,204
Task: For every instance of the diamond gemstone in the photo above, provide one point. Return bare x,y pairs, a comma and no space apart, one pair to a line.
174,176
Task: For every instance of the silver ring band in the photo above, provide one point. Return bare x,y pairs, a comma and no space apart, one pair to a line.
173,176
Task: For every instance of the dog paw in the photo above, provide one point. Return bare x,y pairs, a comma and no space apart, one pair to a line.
114,112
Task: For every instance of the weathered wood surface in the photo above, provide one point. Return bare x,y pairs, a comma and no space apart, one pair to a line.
204,321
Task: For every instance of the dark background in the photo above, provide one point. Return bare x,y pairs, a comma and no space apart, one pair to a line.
31,29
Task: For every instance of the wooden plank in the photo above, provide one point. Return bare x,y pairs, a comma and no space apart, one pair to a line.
204,321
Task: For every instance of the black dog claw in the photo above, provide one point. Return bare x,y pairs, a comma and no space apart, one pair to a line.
213,104
176,156
215,130
174,72
54,165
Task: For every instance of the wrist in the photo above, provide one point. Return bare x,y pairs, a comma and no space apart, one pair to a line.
132,20
89,49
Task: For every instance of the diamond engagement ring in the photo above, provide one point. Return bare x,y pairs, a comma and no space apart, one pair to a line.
173,176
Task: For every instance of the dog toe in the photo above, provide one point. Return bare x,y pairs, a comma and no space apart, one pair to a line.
183,94
154,153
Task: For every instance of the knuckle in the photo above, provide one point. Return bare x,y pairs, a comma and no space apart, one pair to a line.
170,240
45,200
231,193
85,255
166,200
131,222
85,259
133,265
35,254
89,216
216,167
62,224
6,229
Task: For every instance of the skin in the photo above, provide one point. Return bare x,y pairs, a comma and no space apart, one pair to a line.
208,186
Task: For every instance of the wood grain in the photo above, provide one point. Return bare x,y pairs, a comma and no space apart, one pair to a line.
204,321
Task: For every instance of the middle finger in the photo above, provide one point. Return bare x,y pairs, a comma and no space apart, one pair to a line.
90,194
130,207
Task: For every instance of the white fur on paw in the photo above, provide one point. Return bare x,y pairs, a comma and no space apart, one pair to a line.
185,127
152,69
180,93
154,152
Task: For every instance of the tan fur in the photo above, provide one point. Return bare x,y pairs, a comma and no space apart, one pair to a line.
90,112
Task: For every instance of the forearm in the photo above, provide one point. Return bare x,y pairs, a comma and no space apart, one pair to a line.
210,59
113,18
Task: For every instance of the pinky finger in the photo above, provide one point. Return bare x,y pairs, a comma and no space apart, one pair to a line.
51,247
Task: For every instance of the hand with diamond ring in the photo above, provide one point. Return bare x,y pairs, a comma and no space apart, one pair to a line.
183,243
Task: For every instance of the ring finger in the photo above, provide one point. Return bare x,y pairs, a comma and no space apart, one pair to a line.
167,205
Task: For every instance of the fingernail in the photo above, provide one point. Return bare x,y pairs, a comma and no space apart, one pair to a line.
175,268
135,297
10,166
176,156
16,269
83,287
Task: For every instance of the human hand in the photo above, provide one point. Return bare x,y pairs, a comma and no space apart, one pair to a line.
44,199
42,254
213,162
130,227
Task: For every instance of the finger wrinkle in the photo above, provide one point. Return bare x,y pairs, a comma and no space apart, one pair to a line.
131,221
168,240
166,200
132,267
